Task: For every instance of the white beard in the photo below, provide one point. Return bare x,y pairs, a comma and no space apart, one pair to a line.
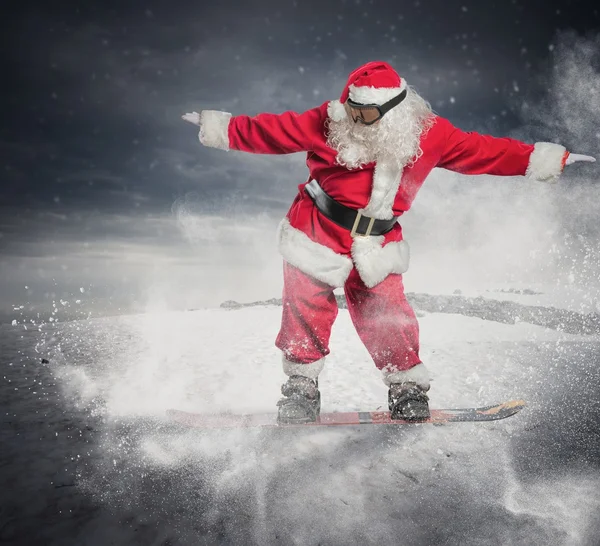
395,140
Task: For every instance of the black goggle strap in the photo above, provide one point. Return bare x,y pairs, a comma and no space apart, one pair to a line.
393,102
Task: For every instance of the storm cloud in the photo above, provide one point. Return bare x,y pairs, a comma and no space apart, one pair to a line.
98,165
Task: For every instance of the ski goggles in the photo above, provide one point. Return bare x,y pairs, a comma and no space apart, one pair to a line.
368,114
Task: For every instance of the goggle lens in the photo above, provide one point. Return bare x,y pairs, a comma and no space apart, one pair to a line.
367,114
370,113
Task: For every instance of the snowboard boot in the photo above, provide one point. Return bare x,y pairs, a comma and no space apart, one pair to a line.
408,402
301,402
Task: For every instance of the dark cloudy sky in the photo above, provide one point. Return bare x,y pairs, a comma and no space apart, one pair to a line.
97,164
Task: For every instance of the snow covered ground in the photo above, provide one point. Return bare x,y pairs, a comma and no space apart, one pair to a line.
89,459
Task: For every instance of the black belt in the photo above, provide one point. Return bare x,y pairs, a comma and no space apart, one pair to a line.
346,217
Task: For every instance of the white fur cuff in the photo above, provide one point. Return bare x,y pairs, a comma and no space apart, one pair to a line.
375,262
311,370
312,258
214,127
417,374
546,162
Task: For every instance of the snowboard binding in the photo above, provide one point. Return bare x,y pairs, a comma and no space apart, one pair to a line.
301,402
408,402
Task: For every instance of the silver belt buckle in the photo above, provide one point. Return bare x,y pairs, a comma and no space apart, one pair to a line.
353,233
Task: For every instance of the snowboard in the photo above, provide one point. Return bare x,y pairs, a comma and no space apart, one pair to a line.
263,420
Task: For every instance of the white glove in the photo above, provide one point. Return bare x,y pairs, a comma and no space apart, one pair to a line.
194,118
572,158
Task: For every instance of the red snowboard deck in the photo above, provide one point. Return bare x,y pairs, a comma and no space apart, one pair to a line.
438,416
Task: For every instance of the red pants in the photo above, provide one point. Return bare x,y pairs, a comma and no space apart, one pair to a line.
383,318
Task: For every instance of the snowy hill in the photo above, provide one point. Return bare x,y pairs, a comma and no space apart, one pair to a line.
90,442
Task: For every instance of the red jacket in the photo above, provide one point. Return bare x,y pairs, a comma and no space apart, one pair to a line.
325,250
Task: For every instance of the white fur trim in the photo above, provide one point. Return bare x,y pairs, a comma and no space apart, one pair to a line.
545,162
213,129
336,110
374,95
386,181
417,374
311,370
374,262
312,258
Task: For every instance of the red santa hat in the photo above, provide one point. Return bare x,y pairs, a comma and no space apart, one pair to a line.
375,82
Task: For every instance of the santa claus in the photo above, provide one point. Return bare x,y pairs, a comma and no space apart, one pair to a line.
368,154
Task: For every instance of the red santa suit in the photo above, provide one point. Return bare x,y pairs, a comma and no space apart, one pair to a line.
320,255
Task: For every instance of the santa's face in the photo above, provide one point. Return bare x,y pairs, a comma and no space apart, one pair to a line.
395,137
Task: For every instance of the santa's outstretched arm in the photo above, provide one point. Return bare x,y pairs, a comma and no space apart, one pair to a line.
473,153
264,133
